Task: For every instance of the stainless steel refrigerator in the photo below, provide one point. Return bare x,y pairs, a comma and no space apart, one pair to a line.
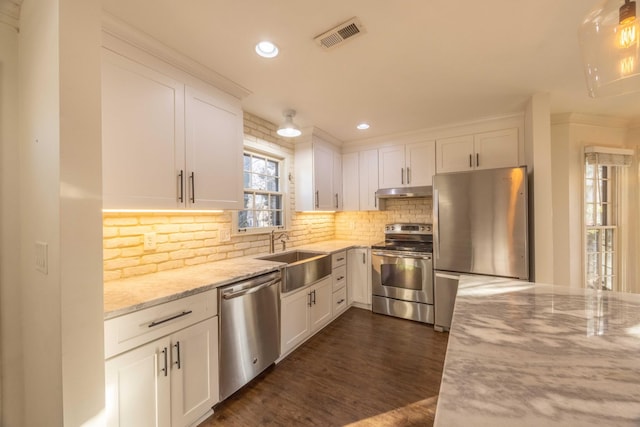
480,226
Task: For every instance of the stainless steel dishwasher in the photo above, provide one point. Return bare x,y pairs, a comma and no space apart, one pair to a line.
249,330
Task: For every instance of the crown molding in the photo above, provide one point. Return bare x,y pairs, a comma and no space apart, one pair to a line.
593,120
144,42
10,13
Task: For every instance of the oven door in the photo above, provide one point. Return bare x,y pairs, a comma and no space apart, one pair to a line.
400,275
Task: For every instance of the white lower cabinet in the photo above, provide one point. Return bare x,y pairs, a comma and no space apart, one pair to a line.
359,277
303,313
169,381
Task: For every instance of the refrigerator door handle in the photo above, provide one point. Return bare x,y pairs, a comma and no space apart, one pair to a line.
436,225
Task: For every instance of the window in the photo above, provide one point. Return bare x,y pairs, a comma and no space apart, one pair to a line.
603,194
601,221
263,193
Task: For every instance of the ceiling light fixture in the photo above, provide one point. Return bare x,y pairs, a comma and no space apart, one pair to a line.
609,39
363,126
288,129
266,49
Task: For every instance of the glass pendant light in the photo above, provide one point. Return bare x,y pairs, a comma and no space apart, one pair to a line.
609,39
288,129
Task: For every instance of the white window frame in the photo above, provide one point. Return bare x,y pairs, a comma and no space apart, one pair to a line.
283,158
616,160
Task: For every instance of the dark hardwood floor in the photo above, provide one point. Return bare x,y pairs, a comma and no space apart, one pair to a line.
363,369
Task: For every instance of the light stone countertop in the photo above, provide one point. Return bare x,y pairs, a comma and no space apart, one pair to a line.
524,354
135,293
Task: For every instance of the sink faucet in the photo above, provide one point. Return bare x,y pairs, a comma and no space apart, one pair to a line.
282,237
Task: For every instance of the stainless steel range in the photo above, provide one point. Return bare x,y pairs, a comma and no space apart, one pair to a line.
402,272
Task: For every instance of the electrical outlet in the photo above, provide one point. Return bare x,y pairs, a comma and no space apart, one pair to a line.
149,241
225,235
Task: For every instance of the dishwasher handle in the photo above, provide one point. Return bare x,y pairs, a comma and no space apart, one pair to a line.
252,288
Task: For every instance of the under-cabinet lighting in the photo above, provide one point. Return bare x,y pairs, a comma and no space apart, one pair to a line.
317,212
161,211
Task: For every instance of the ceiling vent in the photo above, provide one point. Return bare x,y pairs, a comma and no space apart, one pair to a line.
340,34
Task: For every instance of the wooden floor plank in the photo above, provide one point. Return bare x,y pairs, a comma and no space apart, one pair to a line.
362,370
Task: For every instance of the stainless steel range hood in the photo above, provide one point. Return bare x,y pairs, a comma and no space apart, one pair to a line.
396,193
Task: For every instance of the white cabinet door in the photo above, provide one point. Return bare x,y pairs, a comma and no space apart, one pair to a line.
496,149
359,276
214,153
368,171
322,302
337,182
142,135
351,182
455,154
391,167
294,320
138,386
420,163
194,372
323,178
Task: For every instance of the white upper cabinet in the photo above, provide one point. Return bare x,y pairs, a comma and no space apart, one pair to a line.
166,145
360,180
214,152
318,169
350,182
368,171
142,135
485,150
407,165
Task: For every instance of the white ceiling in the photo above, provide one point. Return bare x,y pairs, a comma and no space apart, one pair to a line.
421,63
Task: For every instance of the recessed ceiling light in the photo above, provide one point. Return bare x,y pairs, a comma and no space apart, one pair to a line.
363,126
266,49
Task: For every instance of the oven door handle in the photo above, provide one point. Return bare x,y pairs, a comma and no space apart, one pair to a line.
412,255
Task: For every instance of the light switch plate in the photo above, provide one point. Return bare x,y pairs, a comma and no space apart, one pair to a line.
42,257
225,234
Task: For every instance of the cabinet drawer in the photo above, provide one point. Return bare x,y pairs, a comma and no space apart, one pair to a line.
132,330
338,259
339,301
339,277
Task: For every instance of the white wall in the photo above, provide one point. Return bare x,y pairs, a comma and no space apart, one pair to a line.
570,133
61,205
10,313
538,159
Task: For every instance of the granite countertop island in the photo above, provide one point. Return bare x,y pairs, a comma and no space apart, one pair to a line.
524,354
135,293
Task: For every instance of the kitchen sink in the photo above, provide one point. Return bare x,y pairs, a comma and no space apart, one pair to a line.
303,268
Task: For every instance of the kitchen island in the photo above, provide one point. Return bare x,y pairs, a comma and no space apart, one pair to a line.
525,354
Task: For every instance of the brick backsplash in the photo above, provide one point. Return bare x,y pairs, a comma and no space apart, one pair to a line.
369,225
189,238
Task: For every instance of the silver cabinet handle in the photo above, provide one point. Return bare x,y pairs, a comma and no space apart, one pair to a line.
408,175
341,301
309,303
470,161
477,159
364,260
181,177
168,319
401,175
436,223
193,187
336,200
340,259
340,278
166,368
314,297
375,200
317,199
177,346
